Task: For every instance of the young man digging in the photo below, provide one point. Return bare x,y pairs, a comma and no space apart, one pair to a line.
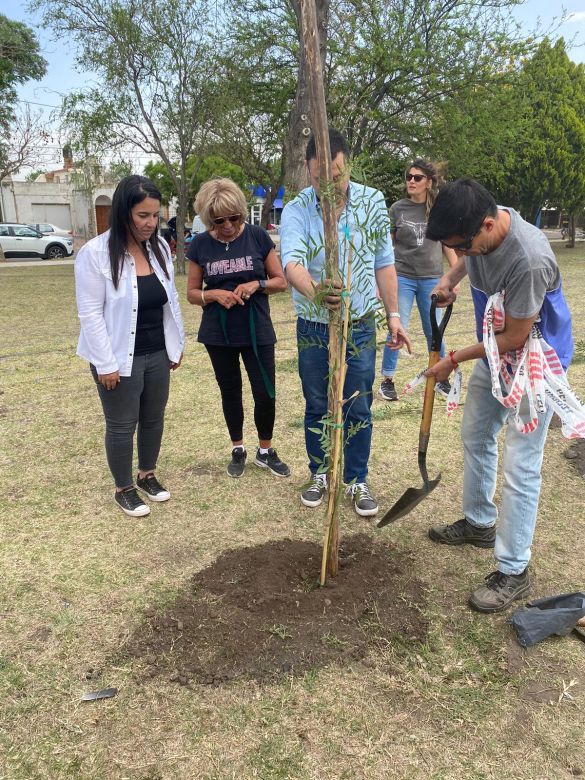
500,252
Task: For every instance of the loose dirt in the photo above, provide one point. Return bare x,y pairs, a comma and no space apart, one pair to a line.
575,453
258,613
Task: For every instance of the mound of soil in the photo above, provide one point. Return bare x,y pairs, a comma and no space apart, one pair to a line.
258,612
575,453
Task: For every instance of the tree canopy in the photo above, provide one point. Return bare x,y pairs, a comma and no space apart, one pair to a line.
20,61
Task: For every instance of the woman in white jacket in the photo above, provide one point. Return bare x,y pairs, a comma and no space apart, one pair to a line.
131,334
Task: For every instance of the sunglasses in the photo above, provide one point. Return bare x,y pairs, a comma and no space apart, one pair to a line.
233,218
416,176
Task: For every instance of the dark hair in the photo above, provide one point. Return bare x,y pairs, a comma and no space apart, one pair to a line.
432,171
459,210
337,143
130,191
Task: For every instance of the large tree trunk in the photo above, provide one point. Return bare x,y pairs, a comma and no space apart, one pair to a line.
299,126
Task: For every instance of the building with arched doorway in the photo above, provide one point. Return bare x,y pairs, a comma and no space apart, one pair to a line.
103,207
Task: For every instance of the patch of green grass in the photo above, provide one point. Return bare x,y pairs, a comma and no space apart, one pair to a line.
277,758
287,365
579,354
280,631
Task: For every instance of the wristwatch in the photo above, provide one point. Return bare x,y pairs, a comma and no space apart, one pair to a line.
262,283
393,314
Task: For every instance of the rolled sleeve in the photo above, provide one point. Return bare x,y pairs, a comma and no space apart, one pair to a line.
293,236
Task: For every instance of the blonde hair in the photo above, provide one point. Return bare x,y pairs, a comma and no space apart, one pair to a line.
434,172
219,197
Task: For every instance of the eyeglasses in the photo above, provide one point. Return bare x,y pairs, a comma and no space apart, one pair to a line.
464,246
233,218
416,176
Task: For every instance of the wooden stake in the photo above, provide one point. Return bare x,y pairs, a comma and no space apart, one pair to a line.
336,359
330,559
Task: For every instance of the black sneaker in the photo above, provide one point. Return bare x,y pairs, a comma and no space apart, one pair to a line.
364,502
152,487
313,495
387,390
130,502
442,389
463,532
270,460
238,462
500,591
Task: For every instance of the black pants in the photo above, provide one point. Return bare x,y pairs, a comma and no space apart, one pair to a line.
138,400
226,365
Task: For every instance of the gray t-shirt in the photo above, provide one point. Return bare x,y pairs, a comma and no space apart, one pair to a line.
523,265
415,256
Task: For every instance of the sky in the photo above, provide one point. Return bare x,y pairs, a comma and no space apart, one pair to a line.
45,95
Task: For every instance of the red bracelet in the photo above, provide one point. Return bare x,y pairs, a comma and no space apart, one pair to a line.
454,363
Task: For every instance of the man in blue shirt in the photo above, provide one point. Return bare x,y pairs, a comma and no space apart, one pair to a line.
362,221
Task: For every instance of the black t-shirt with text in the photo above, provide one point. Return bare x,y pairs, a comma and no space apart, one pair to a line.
224,267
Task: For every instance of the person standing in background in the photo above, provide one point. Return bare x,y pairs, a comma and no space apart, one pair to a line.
419,263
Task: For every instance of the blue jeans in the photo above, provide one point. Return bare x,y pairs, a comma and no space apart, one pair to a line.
313,346
408,290
483,419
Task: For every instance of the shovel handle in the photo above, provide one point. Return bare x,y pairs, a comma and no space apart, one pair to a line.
429,399
438,329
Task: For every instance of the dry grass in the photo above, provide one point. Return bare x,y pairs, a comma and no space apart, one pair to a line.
77,577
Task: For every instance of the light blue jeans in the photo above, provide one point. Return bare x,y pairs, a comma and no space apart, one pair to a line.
408,290
483,419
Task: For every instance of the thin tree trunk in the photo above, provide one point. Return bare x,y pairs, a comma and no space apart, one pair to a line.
299,125
181,216
336,365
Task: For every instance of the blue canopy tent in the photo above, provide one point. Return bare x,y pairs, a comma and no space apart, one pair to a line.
260,192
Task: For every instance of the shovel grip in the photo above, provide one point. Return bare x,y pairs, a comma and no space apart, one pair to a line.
427,415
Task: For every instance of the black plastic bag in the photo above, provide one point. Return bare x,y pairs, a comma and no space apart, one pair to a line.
544,617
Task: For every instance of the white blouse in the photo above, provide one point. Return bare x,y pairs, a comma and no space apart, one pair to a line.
108,315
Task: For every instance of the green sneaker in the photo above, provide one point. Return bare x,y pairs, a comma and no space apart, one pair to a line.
500,591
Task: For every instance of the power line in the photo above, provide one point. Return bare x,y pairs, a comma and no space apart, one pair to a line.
32,103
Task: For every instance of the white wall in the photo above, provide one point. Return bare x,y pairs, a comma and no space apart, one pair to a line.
23,201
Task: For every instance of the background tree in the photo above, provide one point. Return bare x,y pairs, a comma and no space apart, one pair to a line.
523,135
550,160
155,91
388,68
211,166
20,130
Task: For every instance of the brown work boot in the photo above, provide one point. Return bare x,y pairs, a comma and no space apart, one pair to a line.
463,532
499,591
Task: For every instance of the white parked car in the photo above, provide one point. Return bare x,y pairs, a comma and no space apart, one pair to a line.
50,230
24,241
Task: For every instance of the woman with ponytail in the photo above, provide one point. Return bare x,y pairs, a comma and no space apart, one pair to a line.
419,262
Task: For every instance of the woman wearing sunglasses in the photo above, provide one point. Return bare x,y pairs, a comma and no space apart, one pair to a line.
233,269
419,262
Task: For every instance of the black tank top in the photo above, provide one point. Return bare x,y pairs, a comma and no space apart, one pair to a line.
150,335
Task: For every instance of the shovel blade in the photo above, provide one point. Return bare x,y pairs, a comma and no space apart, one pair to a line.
407,501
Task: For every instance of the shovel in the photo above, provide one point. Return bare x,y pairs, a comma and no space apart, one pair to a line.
413,496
